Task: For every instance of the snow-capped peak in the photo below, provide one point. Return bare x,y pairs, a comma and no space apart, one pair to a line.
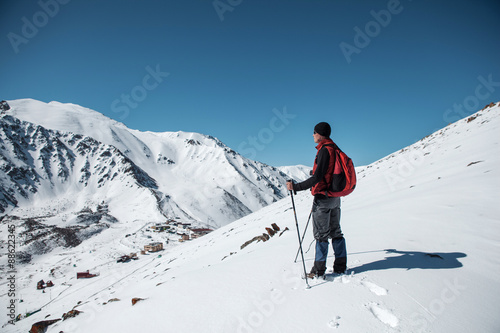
196,176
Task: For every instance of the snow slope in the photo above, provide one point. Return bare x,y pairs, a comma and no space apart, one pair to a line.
422,231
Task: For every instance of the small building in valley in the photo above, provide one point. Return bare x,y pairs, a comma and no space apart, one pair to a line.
153,247
200,232
85,275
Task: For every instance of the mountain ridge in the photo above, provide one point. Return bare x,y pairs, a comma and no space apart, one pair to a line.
163,156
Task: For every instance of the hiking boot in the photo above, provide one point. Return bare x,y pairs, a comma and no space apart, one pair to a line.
318,269
315,276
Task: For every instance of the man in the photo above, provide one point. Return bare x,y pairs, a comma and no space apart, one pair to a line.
326,208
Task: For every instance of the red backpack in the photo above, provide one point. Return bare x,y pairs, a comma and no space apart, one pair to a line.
344,174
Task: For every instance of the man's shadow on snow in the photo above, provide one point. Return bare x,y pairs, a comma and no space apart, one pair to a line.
413,259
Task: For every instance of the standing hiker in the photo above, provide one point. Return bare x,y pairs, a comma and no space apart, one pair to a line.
326,209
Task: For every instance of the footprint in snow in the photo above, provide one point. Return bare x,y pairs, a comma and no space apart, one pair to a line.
345,278
383,315
334,323
342,278
377,290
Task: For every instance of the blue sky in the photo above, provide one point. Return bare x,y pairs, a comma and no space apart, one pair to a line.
260,74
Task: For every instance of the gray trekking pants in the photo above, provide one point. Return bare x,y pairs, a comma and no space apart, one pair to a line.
326,218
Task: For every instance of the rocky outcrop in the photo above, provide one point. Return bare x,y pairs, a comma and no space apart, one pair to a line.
264,237
136,299
41,326
71,314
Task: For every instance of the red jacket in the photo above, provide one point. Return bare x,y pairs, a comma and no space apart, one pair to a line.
324,164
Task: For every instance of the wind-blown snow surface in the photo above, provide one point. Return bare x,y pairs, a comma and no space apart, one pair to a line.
422,231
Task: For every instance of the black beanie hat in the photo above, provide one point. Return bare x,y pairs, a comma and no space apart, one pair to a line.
323,129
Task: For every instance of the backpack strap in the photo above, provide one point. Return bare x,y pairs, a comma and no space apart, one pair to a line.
335,147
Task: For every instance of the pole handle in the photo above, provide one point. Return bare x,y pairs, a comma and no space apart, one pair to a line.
293,182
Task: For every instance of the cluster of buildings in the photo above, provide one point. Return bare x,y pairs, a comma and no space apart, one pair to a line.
184,230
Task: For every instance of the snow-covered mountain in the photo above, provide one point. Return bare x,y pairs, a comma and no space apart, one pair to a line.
58,159
296,172
422,231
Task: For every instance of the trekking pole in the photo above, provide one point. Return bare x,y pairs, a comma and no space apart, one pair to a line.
303,234
300,243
